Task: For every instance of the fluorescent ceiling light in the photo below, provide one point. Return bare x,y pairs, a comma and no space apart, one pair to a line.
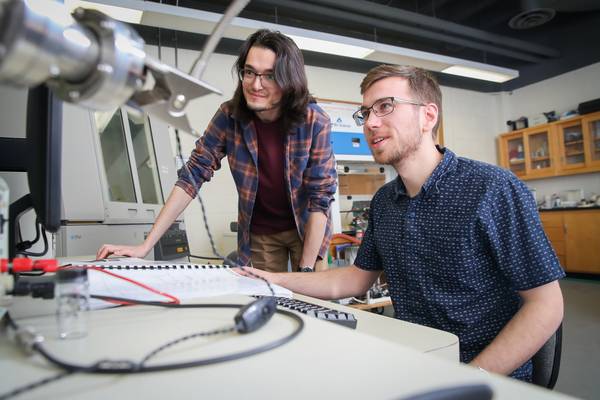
478,73
128,15
328,47
202,22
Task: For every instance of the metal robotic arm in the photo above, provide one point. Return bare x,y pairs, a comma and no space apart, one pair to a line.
92,60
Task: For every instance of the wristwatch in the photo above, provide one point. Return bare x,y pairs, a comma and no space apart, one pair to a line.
306,268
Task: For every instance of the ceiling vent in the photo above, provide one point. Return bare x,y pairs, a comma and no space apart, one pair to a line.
531,18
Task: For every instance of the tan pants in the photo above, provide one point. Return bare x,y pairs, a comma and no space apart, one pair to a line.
272,252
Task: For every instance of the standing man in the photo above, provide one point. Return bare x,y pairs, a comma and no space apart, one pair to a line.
277,143
460,241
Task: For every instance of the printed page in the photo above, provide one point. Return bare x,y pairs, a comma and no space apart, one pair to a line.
182,283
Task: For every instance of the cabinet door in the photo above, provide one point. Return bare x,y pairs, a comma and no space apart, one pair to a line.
514,153
583,241
592,134
555,231
539,147
571,145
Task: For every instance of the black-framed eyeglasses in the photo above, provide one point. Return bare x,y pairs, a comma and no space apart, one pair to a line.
381,107
248,76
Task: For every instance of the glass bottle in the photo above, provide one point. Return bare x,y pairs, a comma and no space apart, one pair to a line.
73,298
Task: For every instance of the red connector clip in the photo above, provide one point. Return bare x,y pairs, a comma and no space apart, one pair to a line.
27,265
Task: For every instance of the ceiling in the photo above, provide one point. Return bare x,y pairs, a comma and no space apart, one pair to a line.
539,38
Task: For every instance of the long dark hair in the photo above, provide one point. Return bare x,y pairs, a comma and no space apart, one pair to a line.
289,75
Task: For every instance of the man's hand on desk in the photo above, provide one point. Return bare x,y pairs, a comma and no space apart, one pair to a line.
129,251
257,273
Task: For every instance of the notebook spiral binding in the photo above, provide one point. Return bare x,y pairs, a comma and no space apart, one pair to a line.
163,266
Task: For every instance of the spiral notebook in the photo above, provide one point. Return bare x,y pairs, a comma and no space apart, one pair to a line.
183,281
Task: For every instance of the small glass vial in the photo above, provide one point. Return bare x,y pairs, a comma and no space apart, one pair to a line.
4,203
72,300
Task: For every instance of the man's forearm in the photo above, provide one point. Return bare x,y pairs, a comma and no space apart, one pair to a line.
313,238
332,284
177,202
537,319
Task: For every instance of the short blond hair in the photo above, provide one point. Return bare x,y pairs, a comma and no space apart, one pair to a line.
422,84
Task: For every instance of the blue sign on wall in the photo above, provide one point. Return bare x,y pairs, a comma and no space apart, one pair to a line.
346,136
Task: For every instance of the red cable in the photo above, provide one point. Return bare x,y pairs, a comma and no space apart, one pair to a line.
174,300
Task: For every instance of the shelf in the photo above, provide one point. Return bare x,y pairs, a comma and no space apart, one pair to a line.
537,159
573,142
519,161
383,303
574,154
352,157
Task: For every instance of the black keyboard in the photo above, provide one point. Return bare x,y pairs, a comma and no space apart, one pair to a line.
324,313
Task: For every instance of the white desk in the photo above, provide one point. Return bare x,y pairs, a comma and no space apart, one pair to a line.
417,337
325,360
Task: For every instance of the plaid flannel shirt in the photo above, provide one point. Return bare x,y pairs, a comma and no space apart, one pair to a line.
310,172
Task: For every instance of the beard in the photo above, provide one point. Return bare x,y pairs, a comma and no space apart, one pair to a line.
266,107
403,151
261,106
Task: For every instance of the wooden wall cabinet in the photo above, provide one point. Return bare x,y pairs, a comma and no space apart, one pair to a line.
575,237
591,129
559,148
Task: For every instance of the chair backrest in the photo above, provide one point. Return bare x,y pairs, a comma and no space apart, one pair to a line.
546,362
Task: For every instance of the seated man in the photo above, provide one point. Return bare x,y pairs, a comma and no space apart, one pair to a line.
460,241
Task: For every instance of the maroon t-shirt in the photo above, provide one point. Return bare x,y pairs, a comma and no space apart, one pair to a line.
272,210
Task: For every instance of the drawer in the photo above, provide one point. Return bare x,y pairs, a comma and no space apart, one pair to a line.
551,219
360,184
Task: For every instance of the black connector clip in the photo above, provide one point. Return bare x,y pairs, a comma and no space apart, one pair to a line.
36,286
254,315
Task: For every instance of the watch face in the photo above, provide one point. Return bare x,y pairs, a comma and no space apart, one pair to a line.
306,269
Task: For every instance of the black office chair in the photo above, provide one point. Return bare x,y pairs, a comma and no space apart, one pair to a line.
462,392
546,362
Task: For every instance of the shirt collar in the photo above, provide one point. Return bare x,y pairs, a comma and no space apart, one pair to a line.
431,184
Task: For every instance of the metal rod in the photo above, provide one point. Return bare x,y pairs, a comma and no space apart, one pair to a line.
211,44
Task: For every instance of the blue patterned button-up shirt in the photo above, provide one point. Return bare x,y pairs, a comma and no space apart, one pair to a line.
456,254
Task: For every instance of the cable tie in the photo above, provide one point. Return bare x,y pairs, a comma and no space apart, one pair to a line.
115,366
27,338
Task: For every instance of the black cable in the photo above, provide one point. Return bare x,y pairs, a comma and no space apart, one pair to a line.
210,237
184,338
205,258
31,386
27,244
128,367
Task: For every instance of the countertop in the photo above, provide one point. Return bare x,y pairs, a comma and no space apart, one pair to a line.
540,209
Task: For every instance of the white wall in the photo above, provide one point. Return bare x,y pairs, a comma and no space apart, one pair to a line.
469,118
561,93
